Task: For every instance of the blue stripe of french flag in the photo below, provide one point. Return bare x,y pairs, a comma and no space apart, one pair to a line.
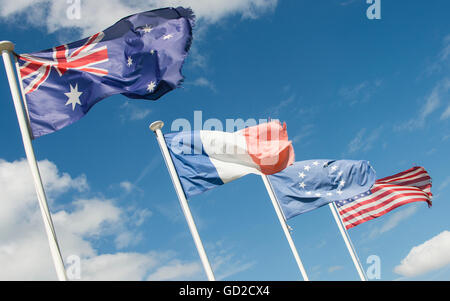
207,159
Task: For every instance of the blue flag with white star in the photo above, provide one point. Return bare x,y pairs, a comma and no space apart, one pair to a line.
310,184
140,57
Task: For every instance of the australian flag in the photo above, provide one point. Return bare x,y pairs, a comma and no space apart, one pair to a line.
307,185
140,57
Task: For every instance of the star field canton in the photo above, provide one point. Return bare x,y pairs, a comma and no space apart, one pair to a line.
307,185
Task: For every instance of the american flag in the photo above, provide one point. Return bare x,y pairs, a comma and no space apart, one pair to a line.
388,193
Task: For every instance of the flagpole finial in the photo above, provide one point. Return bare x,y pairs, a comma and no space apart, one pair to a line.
157,125
6,45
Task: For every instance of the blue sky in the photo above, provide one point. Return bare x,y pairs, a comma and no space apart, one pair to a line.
347,87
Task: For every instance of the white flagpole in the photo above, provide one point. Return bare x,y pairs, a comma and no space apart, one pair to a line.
156,128
347,241
6,48
284,225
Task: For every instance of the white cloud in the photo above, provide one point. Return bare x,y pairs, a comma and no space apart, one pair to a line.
97,15
80,226
428,256
119,266
17,187
24,251
177,270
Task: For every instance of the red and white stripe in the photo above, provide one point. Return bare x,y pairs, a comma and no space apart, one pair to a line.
83,58
409,186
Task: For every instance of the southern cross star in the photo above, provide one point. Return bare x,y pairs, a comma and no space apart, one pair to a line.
151,86
74,97
147,28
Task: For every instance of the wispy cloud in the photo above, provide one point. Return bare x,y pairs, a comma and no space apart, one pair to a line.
442,60
127,186
335,268
225,261
444,54
445,137
364,140
444,184
446,113
394,220
431,151
361,92
202,82
347,2
431,104
133,112
305,131
284,103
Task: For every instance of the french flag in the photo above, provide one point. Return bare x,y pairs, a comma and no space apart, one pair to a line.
206,159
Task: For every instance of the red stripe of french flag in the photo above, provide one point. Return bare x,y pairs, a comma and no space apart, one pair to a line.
269,147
